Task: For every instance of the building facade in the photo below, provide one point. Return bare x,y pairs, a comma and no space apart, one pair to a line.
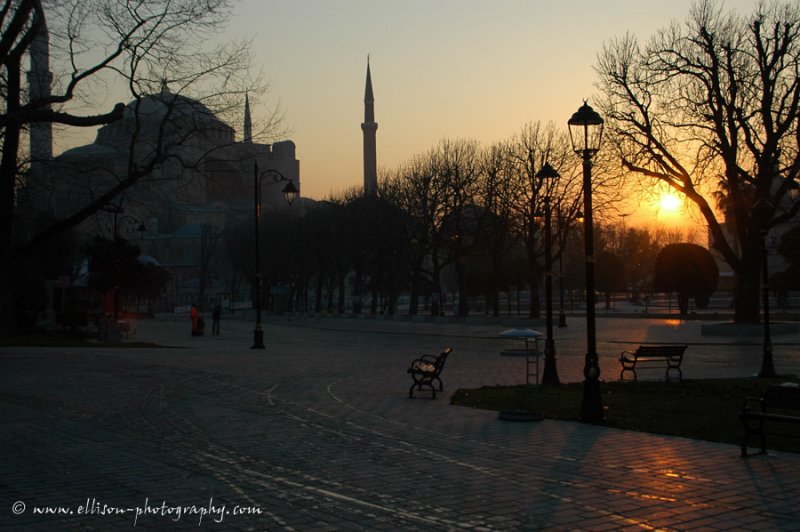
194,179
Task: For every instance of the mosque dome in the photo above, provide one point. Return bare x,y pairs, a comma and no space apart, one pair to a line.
90,151
180,114
179,107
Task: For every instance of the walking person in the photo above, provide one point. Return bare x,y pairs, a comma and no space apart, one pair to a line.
194,313
216,315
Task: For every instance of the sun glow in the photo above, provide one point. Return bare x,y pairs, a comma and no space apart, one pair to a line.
670,203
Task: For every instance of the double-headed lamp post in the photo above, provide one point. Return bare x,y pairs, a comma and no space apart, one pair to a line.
763,209
550,375
586,132
290,192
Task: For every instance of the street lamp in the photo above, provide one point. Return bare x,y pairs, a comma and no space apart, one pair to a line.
290,192
767,361
117,210
586,132
550,375
763,210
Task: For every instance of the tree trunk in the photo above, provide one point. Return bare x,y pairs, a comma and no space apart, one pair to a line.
535,274
463,295
416,279
746,295
340,303
329,289
535,308
683,302
318,296
437,303
8,184
494,299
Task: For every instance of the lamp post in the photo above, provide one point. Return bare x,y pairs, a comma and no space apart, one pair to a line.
550,375
767,361
562,241
117,210
290,192
763,211
586,132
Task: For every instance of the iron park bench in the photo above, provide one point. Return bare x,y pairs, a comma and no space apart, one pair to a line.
670,356
780,404
426,370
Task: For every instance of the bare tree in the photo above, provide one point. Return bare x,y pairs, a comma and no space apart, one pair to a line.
414,189
713,106
209,238
456,169
498,188
534,146
103,48
135,46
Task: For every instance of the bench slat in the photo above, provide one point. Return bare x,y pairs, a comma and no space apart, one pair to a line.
671,355
427,369
784,398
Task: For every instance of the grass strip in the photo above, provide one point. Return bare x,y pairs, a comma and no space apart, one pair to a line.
703,409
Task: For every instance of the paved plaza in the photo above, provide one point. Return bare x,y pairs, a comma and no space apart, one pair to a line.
316,432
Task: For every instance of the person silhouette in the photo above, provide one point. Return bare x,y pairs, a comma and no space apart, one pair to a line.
216,315
194,314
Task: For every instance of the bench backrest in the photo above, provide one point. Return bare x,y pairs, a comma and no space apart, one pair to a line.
442,358
661,350
782,397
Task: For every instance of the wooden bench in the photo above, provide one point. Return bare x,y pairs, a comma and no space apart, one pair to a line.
780,404
649,355
426,370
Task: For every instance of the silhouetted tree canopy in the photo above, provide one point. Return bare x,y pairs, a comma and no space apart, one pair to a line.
114,264
689,270
152,281
130,49
714,101
783,282
789,247
609,274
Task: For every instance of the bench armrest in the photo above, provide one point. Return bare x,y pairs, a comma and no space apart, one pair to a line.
749,402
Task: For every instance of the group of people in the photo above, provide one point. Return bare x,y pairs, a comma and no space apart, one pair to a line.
199,324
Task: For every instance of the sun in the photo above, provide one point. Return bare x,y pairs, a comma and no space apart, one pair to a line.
670,203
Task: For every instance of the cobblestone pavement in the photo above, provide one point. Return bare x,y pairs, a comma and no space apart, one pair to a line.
316,432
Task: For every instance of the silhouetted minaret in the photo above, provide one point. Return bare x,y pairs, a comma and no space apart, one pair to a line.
369,127
247,132
40,79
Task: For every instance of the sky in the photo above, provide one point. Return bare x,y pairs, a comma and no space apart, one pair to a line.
441,69
475,69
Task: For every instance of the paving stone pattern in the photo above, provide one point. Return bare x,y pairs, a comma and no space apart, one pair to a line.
316,432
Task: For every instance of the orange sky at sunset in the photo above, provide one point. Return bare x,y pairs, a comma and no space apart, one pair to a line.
445,69
474,69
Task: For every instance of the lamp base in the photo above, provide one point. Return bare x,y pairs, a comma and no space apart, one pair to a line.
258,339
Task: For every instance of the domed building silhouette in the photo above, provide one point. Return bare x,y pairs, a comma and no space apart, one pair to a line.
198,179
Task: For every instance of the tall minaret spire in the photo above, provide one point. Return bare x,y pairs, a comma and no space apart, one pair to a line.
247,131
369,127
40,79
